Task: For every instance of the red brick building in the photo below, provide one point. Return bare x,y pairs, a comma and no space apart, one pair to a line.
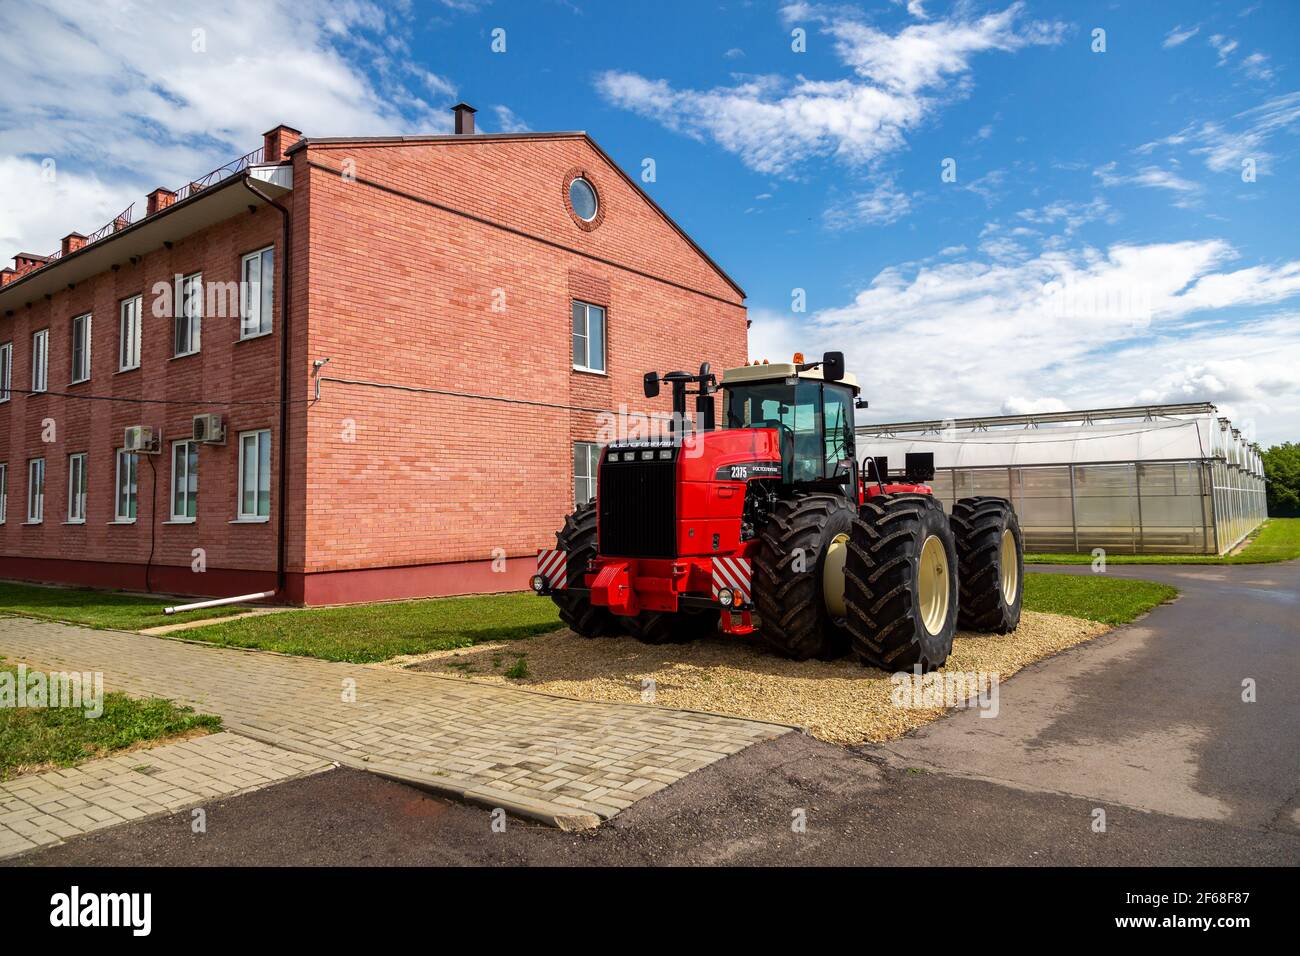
460,310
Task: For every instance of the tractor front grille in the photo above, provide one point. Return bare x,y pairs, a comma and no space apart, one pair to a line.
637,500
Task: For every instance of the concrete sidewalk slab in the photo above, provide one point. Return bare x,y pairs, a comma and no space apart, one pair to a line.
564,762
42,809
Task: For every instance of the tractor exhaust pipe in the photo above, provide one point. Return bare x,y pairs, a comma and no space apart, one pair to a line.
679,380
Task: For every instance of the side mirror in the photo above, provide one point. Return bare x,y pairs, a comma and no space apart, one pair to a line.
650,382
833,366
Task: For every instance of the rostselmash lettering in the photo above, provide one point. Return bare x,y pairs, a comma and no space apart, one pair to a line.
744,471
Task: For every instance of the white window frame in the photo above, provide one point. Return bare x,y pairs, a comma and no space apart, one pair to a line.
591,453
191,290
585,335
252,323
190,470
77,488
80,350
6,369
40,360
255,514
133,459
129,332
35,490
4,491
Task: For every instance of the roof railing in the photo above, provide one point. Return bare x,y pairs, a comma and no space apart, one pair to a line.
127,215
231,168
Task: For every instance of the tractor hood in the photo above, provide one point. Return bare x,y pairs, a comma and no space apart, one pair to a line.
662,500
736,454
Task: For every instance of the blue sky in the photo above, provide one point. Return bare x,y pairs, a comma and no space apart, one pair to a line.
1097,245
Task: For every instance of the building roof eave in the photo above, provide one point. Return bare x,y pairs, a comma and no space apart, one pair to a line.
198,211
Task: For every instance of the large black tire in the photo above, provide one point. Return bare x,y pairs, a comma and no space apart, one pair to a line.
667,627
884,588
577,539
991,578
789,595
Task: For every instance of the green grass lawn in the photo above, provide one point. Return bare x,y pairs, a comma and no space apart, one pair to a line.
109,609
1278,539
1094,597
367,633
376,632
40,738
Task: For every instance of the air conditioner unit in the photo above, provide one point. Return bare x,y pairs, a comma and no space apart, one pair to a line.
140,439
209,429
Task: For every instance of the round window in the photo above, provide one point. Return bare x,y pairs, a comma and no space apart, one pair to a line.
583,199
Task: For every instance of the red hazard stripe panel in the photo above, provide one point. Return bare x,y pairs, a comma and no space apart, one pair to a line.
732,573
554,566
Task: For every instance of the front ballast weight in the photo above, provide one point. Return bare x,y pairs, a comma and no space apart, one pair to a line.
646,597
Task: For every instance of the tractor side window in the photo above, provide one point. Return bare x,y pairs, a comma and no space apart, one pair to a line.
838,417
804,419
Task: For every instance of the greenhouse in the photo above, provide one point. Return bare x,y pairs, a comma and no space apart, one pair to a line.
1160,479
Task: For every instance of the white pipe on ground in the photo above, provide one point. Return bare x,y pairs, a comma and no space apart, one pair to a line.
218,602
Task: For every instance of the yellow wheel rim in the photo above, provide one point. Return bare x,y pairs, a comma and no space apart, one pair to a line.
1010,569
934,575
833,576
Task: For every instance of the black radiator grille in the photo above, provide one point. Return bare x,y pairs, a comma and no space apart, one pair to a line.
637,500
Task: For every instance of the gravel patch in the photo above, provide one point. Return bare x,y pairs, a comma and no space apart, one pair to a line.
838,701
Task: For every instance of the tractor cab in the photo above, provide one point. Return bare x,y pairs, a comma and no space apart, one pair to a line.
811,411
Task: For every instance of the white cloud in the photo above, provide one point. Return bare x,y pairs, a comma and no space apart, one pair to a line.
1150,177
1070,215
773,123
508,121
1081,327
1153,177
35,208
1257,67
1021,405
128,97
1223,146
878,206
439,86
1178,36
1223,46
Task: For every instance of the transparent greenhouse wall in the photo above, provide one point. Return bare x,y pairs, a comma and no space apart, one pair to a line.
1240,504
1157,508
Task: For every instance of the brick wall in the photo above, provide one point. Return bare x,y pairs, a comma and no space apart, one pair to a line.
224,369
403,292
447,266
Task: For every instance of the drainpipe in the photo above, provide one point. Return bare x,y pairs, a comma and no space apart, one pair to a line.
286,267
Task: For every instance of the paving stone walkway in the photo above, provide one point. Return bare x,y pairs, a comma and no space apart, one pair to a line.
42,809
565,762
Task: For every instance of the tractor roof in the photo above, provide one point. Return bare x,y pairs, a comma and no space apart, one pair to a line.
780,370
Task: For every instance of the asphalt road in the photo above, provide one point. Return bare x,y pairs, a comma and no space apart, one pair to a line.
1146,723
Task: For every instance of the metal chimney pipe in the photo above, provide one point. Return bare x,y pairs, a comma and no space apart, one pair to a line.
464,118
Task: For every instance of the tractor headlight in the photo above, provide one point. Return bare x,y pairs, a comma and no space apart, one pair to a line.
726,597
537,583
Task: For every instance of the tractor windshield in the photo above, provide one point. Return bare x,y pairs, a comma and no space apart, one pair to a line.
814,419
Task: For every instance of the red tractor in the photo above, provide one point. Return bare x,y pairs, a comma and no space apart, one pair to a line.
768,525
